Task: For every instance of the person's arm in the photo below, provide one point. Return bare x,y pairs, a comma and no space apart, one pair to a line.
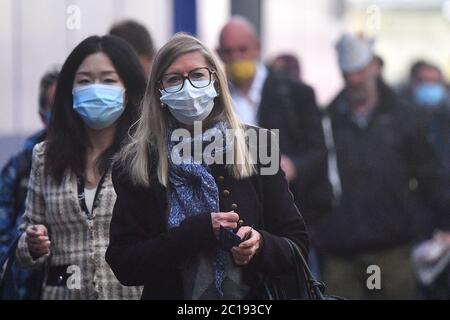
299,121
136,253
34,211
310,155
8,214
281,220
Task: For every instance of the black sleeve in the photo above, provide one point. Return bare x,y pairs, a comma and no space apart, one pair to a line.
291,107
434,181
140,247
282,219
310,154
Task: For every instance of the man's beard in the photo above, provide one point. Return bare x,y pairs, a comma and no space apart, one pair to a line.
358,95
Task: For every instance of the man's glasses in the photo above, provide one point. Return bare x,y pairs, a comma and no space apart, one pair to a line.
174,82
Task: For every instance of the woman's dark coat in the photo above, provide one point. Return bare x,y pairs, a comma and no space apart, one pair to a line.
143,251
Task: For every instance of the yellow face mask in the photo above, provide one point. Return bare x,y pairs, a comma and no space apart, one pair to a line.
241,71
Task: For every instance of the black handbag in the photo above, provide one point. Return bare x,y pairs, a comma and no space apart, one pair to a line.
11,280
302,285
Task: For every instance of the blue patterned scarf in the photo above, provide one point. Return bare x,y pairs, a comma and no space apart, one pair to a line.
194,191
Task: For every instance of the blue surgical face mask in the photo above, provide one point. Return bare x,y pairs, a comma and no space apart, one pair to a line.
190,104
98,105
430,94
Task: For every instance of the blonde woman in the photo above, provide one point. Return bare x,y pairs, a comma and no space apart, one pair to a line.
173,221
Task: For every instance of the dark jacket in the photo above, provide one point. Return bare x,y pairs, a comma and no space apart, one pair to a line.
437,122
142,251
13,191
438,128
13,186
291,107
377,164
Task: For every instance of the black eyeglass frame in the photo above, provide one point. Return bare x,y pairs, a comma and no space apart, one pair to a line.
211,72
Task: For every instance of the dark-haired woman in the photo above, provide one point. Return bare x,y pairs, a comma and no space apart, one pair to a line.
70,195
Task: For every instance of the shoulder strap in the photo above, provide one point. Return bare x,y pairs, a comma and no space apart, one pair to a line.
315,287
333,171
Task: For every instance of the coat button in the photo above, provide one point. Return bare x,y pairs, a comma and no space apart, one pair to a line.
240,223
221,179
234,206
226,193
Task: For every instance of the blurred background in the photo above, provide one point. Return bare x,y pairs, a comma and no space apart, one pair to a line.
36,34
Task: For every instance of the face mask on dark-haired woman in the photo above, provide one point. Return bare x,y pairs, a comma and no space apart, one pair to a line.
98,105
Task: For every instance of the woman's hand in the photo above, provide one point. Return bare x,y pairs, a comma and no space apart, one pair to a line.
442,236
247,249
37,240
227,220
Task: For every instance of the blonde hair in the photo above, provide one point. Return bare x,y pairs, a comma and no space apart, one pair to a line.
148,139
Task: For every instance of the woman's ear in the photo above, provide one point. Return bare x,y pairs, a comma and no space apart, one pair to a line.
217,85
125,99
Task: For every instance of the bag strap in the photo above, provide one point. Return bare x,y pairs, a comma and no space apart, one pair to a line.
315,287
333,171
271,291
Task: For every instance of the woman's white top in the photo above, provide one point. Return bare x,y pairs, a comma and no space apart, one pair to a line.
89,195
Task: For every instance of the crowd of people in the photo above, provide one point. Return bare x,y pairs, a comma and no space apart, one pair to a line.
96,207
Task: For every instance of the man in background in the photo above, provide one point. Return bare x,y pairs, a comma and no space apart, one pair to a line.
378,156
288,64
273,100
428,92
140,40
14,185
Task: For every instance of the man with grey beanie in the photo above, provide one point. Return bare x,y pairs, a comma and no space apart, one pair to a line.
383,176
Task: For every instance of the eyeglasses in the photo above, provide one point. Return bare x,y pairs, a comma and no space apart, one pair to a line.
174,82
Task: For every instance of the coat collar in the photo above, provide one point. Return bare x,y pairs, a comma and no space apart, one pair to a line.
387,101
